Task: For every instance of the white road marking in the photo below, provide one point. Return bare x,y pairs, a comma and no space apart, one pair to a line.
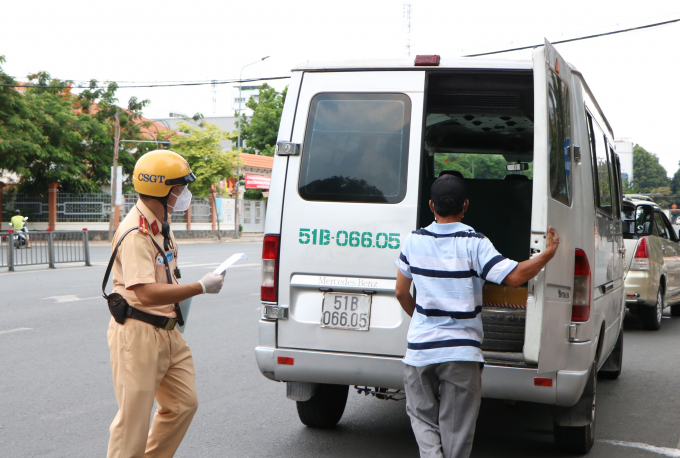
254,294
239,265
66,298
70,298
15,330
665,451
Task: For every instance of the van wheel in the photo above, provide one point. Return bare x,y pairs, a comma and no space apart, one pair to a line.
575,426
325,408
651,316
611,369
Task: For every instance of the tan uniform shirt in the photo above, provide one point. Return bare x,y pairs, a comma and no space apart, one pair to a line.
138,260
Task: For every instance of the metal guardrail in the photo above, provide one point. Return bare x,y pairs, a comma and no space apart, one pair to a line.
48,247
87,208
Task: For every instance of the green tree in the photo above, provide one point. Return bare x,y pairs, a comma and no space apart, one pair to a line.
48,134
260,131
675,182
19,137
662,196
101,104
648,173
200,146
487,166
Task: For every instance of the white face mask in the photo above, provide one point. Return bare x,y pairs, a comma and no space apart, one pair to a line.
183,200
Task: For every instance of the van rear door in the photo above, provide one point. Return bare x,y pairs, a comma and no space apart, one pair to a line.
350,200
550,306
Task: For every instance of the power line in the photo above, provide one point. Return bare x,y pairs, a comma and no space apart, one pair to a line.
28,85
657,24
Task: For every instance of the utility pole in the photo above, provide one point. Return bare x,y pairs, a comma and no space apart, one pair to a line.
407,23
115,209
238,144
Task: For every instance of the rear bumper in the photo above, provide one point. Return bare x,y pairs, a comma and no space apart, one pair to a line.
641,288
499,382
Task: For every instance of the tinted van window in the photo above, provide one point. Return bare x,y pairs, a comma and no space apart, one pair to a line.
602,170
559,125
356,148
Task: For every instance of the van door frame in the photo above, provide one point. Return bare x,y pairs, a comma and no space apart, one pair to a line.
551,292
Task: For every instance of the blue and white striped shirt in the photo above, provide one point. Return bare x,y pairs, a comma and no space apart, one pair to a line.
448,264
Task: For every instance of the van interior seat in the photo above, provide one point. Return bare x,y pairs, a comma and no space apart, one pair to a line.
501,210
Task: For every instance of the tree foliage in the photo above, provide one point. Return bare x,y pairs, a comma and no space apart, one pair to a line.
49,134
487,166
200,146
260,131
675,182
647,172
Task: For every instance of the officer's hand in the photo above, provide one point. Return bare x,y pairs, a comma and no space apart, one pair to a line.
212,283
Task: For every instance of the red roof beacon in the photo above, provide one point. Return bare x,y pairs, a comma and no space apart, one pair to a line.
427,60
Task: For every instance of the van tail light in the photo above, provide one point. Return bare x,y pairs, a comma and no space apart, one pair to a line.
641,258
580,310
270,268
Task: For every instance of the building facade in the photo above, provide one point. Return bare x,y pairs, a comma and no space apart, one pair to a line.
624,149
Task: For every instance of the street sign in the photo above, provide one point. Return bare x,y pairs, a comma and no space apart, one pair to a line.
257,181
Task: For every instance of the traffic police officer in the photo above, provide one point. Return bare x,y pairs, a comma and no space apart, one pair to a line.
149,357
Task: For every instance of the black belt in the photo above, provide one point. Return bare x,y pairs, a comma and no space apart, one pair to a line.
162,322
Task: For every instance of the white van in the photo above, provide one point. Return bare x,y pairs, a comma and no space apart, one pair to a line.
359,146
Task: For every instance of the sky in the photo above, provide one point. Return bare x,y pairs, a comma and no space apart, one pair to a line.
633,75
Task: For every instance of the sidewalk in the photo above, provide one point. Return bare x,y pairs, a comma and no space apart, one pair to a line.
245,238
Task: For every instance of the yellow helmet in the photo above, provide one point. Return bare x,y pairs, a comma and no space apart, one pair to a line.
158,171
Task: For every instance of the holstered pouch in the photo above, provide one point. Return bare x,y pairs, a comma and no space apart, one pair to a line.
118,307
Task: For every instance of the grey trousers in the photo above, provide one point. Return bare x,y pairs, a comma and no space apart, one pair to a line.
442,401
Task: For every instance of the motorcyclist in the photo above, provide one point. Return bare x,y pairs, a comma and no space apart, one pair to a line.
18,222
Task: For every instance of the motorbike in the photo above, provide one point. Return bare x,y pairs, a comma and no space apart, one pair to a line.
20,236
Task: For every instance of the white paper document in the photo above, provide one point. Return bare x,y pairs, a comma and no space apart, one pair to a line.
229,262
184,306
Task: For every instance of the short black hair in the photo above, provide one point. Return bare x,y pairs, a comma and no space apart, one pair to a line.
448,195
449,206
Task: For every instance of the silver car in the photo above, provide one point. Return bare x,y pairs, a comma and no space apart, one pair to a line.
653,262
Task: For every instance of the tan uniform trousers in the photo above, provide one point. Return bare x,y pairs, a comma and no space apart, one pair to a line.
148,363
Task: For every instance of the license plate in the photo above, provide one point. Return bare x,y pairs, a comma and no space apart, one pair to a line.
346,311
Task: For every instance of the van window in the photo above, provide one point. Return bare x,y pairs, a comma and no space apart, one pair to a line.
356,148
601,172
559,124
483,166
615,181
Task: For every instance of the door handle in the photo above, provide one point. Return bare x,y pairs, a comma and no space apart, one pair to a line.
607,288
622,250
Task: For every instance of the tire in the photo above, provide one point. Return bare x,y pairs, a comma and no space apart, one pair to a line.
611,369
651,316
325,408
578,439
503,329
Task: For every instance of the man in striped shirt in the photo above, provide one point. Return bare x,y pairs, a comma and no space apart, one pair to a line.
449,262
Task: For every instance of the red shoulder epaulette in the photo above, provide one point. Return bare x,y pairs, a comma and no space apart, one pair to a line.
143,225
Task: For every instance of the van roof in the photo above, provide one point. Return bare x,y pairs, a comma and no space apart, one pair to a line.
407,64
